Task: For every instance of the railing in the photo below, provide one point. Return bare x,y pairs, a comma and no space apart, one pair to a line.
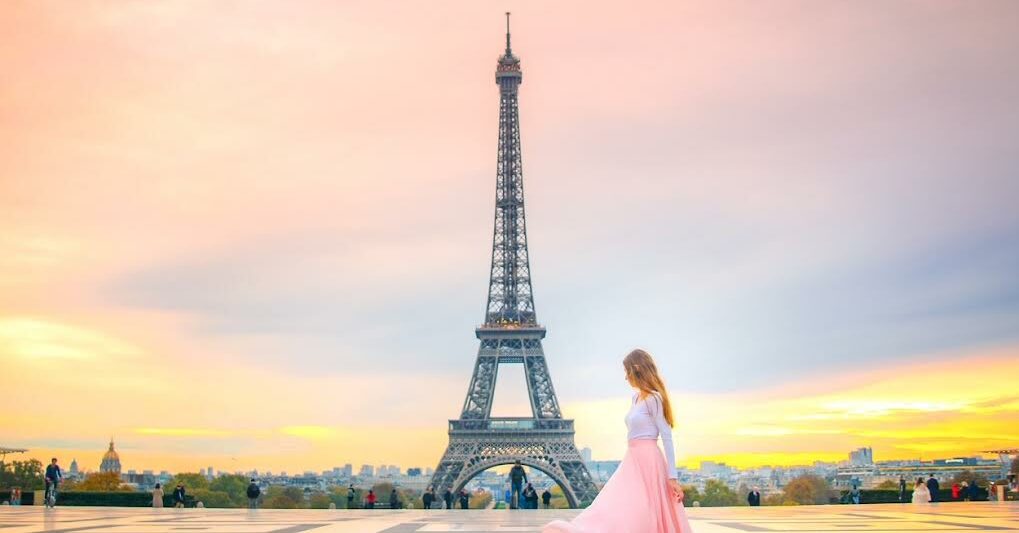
512,424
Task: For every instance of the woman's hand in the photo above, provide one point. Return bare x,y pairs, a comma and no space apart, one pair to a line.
677,489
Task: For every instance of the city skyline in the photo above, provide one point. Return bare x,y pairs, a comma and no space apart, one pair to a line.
259,236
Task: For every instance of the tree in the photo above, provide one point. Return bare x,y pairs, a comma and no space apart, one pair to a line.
213,498
338,495
99,482
718,494
234,486
284,498
320,500
970,478
690,495
888,484
480,500
191,481
27,475
807,489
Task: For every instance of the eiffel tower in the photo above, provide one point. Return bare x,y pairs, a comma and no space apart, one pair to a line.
512,335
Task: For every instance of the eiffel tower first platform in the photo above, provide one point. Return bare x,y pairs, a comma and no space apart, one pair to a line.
512,335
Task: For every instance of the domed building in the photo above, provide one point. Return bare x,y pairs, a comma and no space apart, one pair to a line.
111,461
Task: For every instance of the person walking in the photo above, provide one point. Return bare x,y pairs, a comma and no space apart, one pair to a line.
428,497
179,495
517,478
955,491
16,496
902,489
464,499
933,487
350,496
369,500
754,498
53,478
253,492
394,499
921,494
546,498
644,493
447,497
157,497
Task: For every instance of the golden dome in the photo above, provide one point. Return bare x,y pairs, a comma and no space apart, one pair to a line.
111,454
111,461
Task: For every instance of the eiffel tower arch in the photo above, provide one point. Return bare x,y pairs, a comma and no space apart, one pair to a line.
511,335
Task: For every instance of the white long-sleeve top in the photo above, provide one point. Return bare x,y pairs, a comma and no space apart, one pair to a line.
646,420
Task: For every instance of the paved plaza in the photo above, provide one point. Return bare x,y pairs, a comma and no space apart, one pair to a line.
816,519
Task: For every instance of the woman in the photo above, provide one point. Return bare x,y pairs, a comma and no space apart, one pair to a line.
428,497
643,494
920,492
157,496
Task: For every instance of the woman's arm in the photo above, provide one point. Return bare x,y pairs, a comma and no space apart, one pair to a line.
665,431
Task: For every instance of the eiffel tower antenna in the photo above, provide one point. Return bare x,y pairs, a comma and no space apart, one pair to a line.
509,50
510,334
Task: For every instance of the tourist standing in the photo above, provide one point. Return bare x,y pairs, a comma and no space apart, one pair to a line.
178,496
253,492
921,494
546,498
933,487
464,499
447,497
902,489
157,497
350,496
517,478
754,498
428,497
394,499
955,490
16,496
369,500
530,497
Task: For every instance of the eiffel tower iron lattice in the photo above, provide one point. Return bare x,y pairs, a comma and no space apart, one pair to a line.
512,335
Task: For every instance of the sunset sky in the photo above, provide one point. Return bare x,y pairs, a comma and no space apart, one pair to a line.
257,234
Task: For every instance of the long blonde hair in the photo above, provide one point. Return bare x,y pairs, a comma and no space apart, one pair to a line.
642,373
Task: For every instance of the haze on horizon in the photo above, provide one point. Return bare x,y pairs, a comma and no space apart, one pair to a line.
257,235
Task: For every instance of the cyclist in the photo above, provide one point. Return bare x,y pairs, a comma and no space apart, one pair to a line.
53,477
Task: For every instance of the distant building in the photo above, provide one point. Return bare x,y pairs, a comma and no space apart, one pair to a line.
210,472
585,454
711,468
413,472
861,457
74,468
367,471
111,460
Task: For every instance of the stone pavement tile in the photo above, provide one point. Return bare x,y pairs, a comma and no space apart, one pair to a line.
957,517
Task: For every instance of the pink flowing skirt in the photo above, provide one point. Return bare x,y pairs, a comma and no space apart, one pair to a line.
636,499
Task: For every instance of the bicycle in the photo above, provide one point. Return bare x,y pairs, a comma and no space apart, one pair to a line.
51,495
